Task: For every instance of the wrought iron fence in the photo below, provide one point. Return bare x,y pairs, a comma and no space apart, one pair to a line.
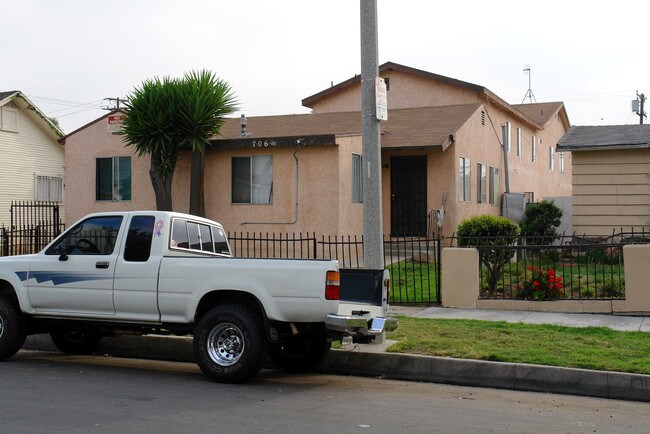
559,267
32,226
26,240
414,263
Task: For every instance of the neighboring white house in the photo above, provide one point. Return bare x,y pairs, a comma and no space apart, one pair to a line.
32,161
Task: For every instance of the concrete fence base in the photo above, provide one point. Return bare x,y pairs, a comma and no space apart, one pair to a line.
461,281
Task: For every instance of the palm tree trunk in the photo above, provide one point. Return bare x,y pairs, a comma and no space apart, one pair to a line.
162,185
197,200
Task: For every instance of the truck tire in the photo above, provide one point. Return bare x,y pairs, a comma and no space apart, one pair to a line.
79,341
13,327
229,344
300,354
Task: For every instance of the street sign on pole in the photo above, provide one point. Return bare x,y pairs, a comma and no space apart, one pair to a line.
382,100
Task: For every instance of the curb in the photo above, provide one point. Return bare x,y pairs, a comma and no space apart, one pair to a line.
461,372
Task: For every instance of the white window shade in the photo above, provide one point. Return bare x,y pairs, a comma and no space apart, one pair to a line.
262,179
8,119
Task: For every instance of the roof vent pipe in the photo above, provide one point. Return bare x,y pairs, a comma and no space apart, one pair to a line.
243,124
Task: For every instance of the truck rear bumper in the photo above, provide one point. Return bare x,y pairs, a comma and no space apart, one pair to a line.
358,325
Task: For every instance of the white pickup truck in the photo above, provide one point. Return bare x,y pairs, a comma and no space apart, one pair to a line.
152,272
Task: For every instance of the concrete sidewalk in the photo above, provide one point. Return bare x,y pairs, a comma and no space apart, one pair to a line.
615,322
373,360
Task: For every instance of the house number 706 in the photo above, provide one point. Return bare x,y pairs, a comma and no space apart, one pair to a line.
261,144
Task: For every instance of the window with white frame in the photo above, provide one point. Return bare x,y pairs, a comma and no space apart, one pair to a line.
508,135
518,142
560,157
494,185
464,179
113,179
49,188
8,119
551,158
357,179
252,179
481,186
534,150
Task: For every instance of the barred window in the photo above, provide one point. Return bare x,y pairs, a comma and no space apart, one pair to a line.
49,188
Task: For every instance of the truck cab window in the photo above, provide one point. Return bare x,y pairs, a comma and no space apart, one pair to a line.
179,234
138,240
195,239
94,236
200,237
220,243
206,238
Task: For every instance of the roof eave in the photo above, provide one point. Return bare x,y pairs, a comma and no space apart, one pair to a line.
616,147
36,115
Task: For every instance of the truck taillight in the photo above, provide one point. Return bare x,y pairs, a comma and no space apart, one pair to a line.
332,285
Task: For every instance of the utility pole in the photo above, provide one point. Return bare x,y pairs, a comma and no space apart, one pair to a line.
637,106
373,240
116,101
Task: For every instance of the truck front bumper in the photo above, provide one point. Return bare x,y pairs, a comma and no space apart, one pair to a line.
358,325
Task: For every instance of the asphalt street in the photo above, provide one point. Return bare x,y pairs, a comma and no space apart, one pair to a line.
372,360
51,392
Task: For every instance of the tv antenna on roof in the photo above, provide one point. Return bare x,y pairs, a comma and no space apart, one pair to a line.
529,92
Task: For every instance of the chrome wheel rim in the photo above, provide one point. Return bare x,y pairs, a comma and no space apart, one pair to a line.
225,344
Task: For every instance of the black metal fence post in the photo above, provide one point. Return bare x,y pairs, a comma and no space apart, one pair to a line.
5,242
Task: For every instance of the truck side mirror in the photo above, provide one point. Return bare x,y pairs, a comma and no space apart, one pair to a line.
63,252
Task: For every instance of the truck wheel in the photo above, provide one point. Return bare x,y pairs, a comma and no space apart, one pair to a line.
76,340
300,354
228,344
13,328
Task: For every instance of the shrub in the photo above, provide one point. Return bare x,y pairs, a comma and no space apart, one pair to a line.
541,284
484,231
539,222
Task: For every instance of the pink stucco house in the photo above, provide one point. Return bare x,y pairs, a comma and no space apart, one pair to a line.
441,148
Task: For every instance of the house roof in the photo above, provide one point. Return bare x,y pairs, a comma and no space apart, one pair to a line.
536,120
542,113
423,127
33,112
605,137
63,139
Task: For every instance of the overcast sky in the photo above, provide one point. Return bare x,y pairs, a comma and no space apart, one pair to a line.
68,55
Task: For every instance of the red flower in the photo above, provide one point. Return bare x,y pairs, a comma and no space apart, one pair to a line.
536,283
530,267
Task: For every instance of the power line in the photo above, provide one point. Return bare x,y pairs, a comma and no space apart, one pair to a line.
116,101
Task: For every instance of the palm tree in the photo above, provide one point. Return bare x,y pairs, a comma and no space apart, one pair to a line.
151,125
165,117
205,101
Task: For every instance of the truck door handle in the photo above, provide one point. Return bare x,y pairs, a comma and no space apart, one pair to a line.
102,264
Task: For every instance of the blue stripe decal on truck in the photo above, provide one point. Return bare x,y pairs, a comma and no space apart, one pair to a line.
59,277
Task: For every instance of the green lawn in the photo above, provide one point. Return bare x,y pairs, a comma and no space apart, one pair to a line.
587,348
412,282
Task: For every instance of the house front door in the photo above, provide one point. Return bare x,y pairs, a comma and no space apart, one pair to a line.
408,194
